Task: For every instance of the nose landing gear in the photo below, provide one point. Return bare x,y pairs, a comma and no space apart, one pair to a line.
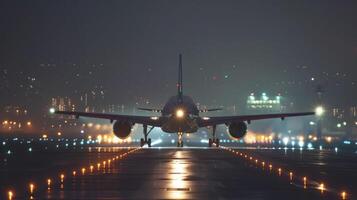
179,142
145,140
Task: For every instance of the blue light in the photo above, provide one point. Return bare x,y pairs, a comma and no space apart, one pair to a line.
346,142
309,146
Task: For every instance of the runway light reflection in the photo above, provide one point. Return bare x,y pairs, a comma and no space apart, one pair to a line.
321,187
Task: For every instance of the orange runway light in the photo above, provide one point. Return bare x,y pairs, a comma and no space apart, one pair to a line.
263,163
74,173
98,165
305,181
32,187
291,176
279,170
270,167
343,195
48,183
10,195
322,187
91,168
62,178
83,170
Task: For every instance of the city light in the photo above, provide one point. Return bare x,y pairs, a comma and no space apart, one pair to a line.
52,110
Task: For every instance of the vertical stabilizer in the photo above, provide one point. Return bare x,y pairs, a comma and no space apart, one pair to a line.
179,81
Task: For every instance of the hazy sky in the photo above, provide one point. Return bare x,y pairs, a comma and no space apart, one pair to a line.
129,49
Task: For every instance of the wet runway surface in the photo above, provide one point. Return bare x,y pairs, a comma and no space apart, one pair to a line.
174,173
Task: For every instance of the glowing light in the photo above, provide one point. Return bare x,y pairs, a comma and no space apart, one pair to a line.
322,187
29,123
49,183
74,173
91,168
62,178
270,166
319,111
305,181
10,195
291,176
343,195
285,140
59,133
83,170
52,110
328,139
180,113
154,118
44,136
279,170
32,187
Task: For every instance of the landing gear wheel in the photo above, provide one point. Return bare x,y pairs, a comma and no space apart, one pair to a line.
180,144
210,143
149,142
142,142
217,142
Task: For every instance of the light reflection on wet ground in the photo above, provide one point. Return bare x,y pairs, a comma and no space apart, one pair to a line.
188,173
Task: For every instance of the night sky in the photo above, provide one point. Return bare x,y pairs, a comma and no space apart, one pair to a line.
128,50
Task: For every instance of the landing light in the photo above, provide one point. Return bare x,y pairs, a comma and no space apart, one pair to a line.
180,113
319,111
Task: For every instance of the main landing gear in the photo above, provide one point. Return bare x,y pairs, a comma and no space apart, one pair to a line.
145,140
213,140
179,142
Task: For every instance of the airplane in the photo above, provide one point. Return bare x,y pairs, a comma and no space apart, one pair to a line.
179,115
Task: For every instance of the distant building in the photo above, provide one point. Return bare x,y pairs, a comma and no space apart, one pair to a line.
264,103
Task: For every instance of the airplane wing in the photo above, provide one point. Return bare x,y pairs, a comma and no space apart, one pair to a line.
211,109
150,109
151,121
210,121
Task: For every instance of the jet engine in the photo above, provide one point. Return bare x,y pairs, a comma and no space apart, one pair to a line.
122,129
237,130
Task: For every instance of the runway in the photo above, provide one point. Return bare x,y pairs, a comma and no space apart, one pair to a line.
171,173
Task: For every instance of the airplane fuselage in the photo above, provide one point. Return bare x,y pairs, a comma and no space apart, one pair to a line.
180,114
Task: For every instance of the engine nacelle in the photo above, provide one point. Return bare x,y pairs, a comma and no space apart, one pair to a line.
122,129
237,130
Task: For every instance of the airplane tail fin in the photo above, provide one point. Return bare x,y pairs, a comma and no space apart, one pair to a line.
179,81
